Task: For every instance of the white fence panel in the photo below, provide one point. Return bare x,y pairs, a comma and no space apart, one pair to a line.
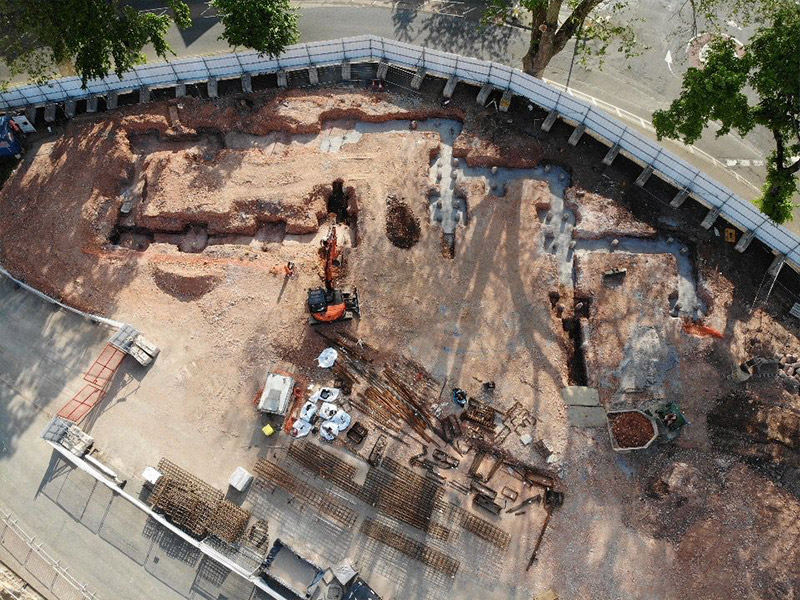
471,70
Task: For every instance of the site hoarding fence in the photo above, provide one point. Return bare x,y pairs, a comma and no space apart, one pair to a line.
598,122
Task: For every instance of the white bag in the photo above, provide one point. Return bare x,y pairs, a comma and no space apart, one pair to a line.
327,357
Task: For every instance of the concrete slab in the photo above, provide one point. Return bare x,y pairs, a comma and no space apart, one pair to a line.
586,416
578,395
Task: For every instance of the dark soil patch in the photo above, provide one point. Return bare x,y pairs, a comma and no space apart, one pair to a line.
631,429
402,226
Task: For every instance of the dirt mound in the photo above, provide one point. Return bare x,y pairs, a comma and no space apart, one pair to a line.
185,285
402,226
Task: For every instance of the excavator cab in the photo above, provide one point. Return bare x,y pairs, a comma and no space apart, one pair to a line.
328,306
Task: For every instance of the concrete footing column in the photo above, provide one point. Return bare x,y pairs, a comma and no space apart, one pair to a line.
313,76
91,104
69,108
212,87
144,94
247,83
644,176
577,134
550,120
450,87
50,113
346,74
680,198
282,79
776,265
30,114
383,69
180,90
483,95
418,78
611,155
711,217
744,241
505,100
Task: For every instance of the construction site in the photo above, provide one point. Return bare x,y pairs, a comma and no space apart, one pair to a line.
385,339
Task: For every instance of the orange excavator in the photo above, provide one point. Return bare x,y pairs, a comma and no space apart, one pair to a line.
328,305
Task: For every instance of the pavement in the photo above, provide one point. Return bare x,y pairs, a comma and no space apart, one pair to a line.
107,543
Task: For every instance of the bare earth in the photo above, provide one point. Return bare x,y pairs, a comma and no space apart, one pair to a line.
223,194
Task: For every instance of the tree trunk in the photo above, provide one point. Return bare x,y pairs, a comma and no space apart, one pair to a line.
543,30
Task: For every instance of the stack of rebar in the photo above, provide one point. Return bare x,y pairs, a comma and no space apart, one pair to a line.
272,473
411,548
228,521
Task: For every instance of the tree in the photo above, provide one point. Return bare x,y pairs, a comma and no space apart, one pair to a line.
97,37
267,26
549,37
722,91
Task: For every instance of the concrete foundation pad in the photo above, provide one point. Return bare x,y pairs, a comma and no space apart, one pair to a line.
282,79
212,87
346,75
776,265
50,113
69,108
313,75
180,90
91,104
578,395
144,94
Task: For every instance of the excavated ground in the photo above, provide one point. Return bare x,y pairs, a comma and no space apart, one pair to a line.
179,217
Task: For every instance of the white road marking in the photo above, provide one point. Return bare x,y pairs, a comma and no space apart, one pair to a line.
668,60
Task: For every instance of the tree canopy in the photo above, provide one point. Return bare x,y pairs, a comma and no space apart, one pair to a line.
267,26
549,36
97,37
761,88
100,37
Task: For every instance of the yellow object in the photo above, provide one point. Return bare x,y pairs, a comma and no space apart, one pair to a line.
268,429
730,234
548,595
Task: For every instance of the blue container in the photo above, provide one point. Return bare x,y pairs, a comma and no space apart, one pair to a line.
10,138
